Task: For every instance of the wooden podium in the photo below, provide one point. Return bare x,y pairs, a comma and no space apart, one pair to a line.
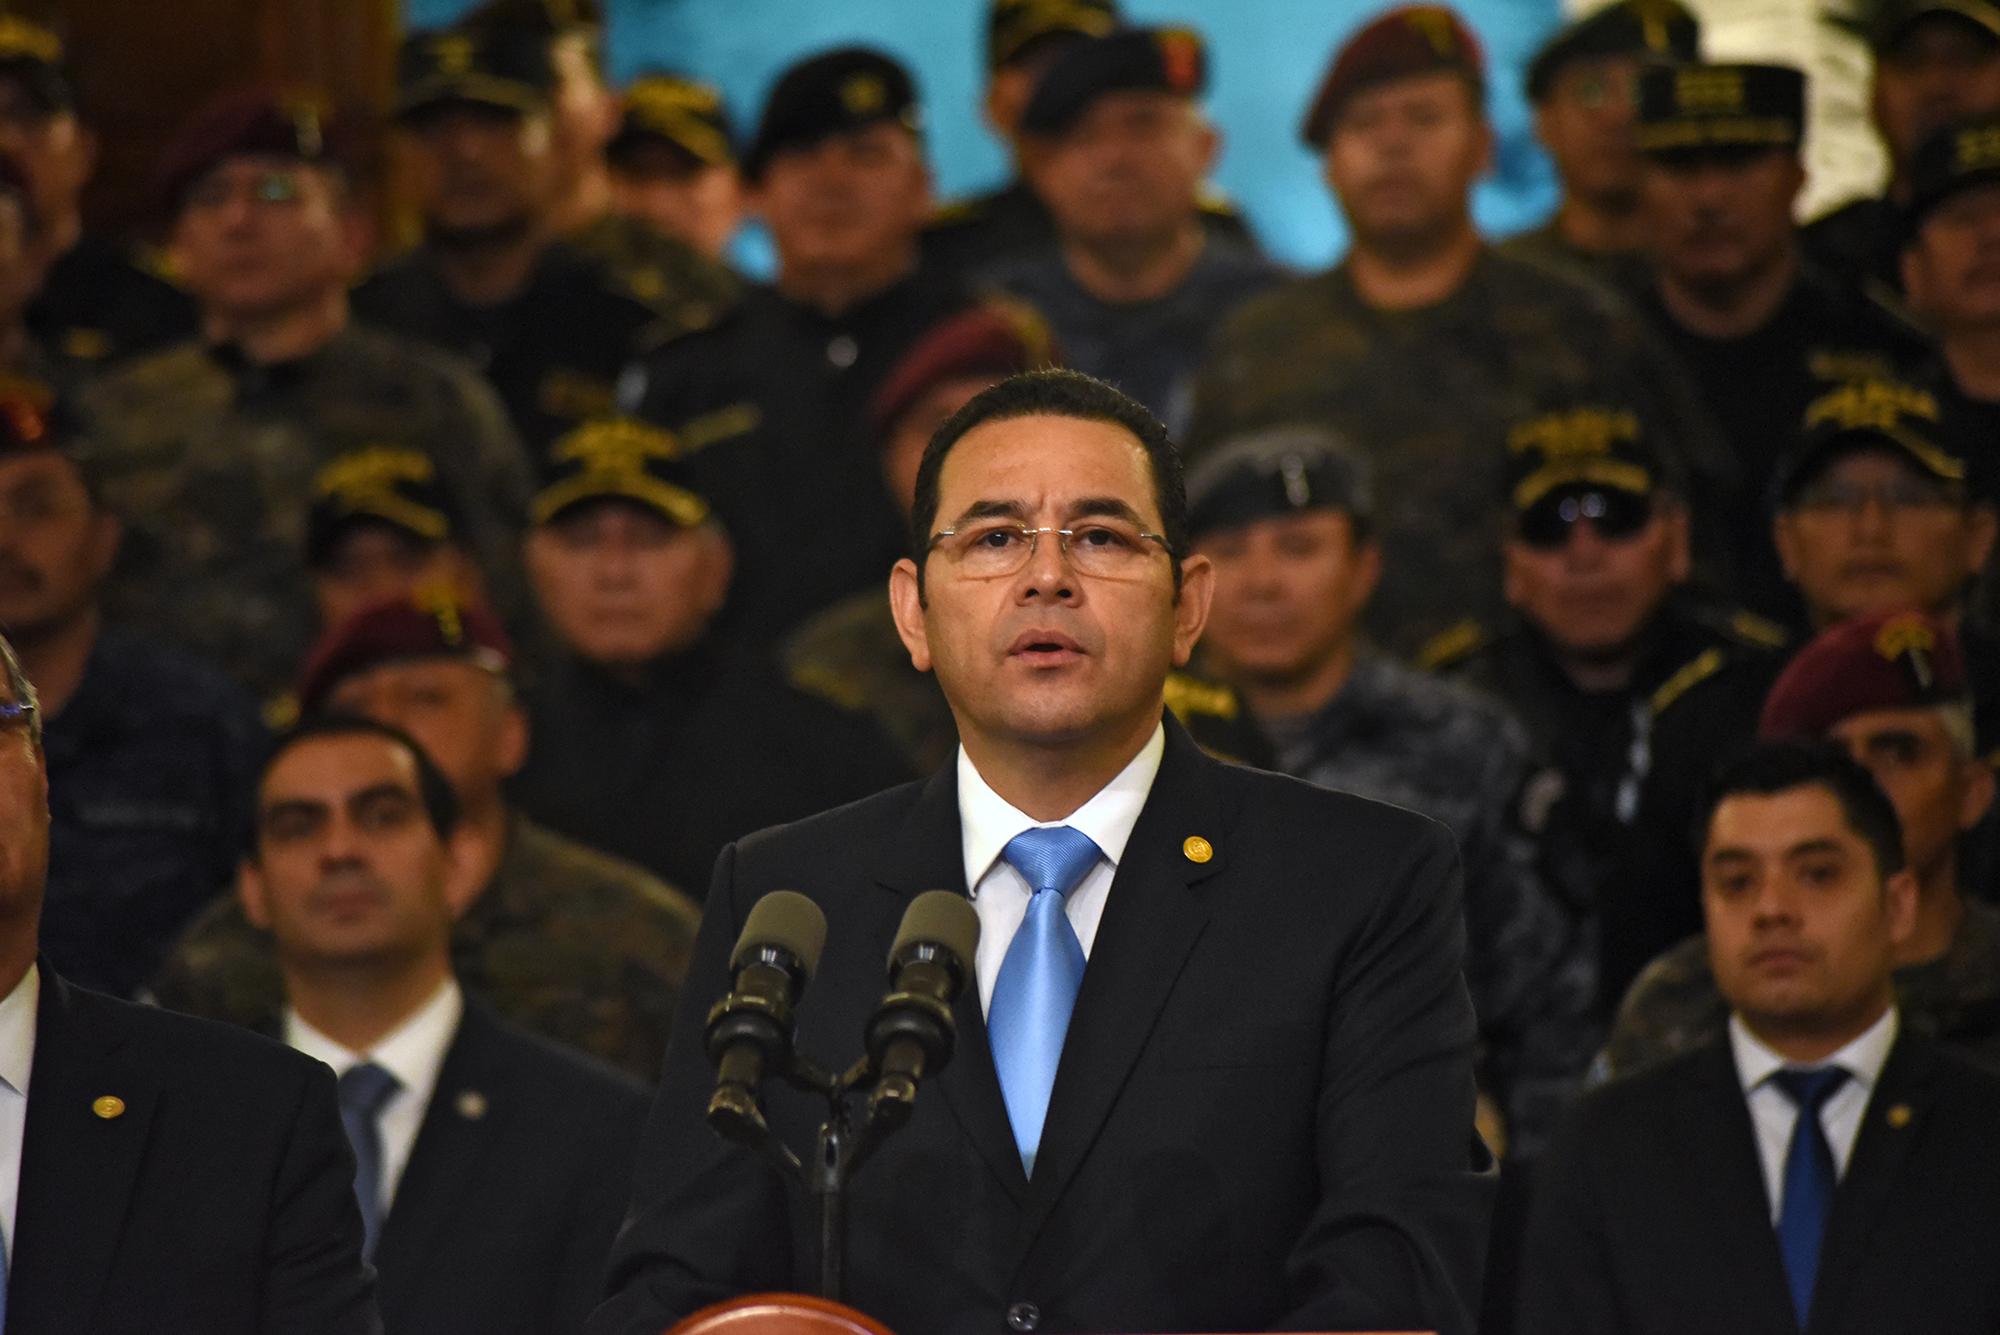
798,1314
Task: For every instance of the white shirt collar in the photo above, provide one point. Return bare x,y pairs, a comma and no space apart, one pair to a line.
18,1014
987,821
1862,1059
412,1051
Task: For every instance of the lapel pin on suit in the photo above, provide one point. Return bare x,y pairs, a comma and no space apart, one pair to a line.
471,1105
1197,849
109,1107
1899,1116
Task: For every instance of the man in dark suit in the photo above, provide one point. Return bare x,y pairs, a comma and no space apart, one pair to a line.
1819,1169
1214,1062
491,1167
158,1175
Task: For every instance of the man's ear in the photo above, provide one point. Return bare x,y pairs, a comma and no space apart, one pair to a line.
906,606
252,895
1900,902
1977,798
462,881
1191,607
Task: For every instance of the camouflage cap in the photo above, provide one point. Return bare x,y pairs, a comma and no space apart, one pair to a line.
1597,445
1278,471
1889,660
1662,30
255,121
32,55
1894,19
1694,108
618,458
676,110
1156,60
1879,414
1955,159
393,486
835,93
432,624
1017,28
493,65
994,338
1401,44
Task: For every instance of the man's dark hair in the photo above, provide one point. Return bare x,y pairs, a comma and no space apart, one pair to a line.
1777,767
1055,393
433,789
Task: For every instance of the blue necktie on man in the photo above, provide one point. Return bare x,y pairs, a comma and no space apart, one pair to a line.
1036,988
1810,1179
364,1088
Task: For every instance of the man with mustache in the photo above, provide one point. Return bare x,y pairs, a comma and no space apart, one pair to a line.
490,1166
1763,332
1134,285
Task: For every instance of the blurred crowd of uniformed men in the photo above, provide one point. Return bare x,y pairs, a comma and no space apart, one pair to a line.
1524,534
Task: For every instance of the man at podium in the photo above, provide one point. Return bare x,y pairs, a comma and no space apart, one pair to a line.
1214,1064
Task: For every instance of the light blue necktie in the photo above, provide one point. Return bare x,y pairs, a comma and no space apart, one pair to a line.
363,1091
1039,978
1809,1181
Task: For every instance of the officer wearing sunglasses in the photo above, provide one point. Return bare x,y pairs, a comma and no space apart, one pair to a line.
1628,682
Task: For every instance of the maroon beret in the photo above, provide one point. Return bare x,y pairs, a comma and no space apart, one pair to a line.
1411,40
255,121
1888,660
994,338
433,624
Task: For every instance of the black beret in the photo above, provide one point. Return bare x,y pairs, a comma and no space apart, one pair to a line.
1156,60
1688,108
1015,26
1277,472
848,89
487,64
1651,29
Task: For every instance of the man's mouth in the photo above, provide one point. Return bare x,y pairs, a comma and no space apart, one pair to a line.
1045,647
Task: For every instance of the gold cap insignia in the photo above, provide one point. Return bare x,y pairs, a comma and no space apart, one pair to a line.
453,53
1975,150
1197,849
1709,92
19,37
864,95
1180,58
109,1107
1908,637
1434,25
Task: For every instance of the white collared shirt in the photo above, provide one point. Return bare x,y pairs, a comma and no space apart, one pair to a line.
412,1052
987,821
1773,1115
18,1014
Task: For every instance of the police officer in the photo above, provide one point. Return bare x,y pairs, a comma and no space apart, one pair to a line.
1023,38
549,327
673,164
1630,685
1937,62
1423,344
1584,87
208,450
569,942
382,528
655,739
95,303
1892,688
1134,285
769,405
1763,332
1286,516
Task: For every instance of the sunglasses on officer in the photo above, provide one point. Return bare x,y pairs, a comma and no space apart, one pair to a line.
1614,515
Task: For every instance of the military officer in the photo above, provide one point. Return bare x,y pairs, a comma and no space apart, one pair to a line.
673,163
382,528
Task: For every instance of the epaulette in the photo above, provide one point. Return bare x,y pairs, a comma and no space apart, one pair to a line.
817,679
1692,673
1190,695
1212,201
1755,631
1452,646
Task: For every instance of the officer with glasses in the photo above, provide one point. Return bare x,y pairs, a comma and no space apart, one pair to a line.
1629,683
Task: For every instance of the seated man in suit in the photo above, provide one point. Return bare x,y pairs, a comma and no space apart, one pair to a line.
490,1166
1794,1174
1214,1066
160,1175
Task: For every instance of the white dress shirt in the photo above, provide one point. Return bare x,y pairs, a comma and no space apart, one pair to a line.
987,821
1773,1115
17,1059
412,1052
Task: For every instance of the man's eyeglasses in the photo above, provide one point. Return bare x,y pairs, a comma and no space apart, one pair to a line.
16,717
263,187
1547,524
1830,496
1101,549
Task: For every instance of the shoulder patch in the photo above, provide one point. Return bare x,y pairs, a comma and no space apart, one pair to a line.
1188,694
1758,632
1697,670
1450,647
1211,200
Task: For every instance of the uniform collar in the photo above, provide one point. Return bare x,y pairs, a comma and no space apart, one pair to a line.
987,821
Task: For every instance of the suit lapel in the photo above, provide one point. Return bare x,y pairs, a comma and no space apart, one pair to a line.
468,1112
89,1114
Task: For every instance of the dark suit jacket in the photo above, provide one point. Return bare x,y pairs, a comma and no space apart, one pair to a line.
516,1184
1262,1115
1651,1214
217,1199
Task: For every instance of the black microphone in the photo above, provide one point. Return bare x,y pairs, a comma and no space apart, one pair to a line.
912,1031
750,1028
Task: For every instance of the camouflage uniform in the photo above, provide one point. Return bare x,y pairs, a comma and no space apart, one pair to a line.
851,654
1618,270
1674,1005
210,462
684,288
1426,395
564,941
969,237
1401,737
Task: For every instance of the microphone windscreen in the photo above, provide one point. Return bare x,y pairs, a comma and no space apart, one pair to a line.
939,918
787,920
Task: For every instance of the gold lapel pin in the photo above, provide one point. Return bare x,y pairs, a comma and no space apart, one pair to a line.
471,1105
1197,849
108,1107
1899,1116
